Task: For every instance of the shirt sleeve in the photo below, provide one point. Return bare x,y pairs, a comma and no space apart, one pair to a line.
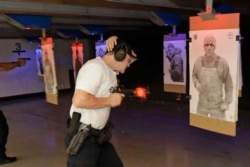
227,80
89,78
195,73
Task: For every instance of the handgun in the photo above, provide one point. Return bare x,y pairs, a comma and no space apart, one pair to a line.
127,92
139,92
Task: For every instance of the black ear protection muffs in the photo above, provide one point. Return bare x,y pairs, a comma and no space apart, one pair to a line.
120,51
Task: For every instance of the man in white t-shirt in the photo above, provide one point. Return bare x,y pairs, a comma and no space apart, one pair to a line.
93,100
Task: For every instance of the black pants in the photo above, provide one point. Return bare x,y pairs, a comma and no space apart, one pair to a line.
4,132
94,155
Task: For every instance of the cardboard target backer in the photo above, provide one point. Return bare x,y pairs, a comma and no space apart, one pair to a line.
214,83
49,70
174,56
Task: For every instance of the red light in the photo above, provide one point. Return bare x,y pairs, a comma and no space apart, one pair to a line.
141,92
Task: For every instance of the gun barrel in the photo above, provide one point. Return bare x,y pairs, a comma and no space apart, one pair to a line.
24,58
118,90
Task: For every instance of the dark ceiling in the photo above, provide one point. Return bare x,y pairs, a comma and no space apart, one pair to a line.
112,14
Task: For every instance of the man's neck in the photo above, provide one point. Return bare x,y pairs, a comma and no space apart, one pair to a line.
210,58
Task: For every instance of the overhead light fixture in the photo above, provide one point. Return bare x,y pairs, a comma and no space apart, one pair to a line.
28,21
13,22
85,30
156,19
93,29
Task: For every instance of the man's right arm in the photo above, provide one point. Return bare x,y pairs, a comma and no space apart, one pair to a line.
83,99
7,66
195,75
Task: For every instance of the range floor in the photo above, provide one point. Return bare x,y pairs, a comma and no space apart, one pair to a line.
146,134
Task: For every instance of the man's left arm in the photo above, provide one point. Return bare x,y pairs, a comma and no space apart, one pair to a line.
228,85
227,79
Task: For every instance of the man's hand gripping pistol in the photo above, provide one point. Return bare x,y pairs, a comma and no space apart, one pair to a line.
139,92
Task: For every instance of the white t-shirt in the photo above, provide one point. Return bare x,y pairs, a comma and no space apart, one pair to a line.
96,78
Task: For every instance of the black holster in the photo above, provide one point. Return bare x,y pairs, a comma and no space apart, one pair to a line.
80,132
103,135
77,141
